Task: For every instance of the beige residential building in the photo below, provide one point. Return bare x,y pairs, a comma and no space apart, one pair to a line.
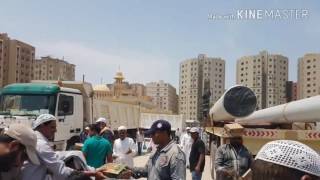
197,76
266,74
4,59
163,95
309,75
16,59
139,89
48,68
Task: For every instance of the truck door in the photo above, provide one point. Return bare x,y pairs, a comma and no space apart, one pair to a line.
65,114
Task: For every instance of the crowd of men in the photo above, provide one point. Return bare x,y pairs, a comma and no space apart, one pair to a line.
27,154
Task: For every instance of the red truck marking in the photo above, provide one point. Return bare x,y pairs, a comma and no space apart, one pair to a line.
313,135
259,133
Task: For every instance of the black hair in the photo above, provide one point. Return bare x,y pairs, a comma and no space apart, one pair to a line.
169,132
47,123
5,138
95,128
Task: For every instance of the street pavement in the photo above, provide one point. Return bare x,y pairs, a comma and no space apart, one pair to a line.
140,161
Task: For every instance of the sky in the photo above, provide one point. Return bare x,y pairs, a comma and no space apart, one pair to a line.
148,39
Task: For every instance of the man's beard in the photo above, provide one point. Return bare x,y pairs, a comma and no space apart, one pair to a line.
236,143
8,161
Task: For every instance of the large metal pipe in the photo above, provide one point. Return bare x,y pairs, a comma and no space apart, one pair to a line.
238,101
305,110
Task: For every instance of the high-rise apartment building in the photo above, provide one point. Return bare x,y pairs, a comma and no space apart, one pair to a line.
16,61
4,59
198,76
266,74
164,96
309,75
291,91
48,68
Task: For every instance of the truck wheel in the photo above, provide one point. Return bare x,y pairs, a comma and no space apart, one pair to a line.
71,142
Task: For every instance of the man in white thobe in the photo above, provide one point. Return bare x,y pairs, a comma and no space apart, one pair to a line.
140,139
186,143
51,166
124,148
178,136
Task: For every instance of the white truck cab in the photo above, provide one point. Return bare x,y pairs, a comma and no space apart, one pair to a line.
23,102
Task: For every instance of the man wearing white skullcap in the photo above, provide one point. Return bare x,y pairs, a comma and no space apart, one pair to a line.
286,159
45,127
124,148
105,132
186,143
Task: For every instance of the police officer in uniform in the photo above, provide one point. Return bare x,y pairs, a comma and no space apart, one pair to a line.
167,163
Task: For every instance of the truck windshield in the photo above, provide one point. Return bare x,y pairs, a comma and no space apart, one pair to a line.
25,105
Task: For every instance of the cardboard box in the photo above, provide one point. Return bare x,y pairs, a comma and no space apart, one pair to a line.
234,129
112,170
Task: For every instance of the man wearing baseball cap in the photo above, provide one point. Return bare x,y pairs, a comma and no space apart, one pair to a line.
17,144
197,154
168,162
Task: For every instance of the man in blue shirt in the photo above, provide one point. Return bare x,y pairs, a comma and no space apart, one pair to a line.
168,162
96,149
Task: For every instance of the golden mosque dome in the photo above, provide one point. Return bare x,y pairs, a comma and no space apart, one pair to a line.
119,75
101,87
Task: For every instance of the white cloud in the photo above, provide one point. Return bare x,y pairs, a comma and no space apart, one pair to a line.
96,64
